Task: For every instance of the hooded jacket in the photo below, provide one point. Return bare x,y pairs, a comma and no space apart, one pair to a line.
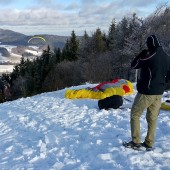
154,64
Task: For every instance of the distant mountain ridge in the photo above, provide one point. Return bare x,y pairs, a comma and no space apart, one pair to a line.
9,37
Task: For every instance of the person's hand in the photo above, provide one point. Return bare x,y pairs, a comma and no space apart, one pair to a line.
144,52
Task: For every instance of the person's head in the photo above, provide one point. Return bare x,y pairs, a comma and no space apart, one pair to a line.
152,43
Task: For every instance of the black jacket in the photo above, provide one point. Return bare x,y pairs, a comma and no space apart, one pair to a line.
167,80
154,64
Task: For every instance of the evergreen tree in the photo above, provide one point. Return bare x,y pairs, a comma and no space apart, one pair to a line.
45,67
70,49
99,41
85,36
84,47
100,56
15,74
122,32
84,43
66,52
57,55
22,66
111,41
73,47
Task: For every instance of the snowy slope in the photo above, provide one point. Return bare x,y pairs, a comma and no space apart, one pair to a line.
49,132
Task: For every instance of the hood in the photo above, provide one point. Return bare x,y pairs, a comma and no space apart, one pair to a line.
152,43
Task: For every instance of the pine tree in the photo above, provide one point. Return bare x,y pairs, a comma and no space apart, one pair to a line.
99,42
85,36
111,42
66,52
57,55
84,47
84,43
70,49
73,47
22,66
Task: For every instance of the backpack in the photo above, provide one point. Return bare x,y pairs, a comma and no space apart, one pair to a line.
114,102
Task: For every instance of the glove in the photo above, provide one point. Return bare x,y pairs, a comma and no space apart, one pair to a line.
144,52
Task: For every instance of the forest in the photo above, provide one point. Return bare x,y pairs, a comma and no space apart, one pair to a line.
102,56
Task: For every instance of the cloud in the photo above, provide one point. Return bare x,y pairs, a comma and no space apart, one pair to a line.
39,16
73,6
78,15
6,2
45,1
138,3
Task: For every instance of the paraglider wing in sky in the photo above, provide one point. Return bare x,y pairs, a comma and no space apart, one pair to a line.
35,37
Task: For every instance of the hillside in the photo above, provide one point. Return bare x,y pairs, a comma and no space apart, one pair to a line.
50,132
9,37
4,52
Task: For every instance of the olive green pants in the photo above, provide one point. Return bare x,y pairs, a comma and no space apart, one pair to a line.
141,102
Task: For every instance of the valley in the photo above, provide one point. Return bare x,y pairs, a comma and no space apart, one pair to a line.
7,63
14,45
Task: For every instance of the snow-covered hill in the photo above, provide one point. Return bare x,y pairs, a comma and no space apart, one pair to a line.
14,58
50,132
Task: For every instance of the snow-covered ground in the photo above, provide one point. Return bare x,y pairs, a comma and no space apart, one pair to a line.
8,47
36,51
50,132
14,58
6,68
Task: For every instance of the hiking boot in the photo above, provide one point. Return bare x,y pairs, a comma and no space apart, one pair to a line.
148,148
131,144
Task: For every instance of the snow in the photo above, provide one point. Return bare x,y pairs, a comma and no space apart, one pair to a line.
8,47
15,58
6,68
50,132
36,53
3,59
35,50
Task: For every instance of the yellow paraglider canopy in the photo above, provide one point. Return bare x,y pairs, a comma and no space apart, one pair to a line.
37,37
119,87
165,105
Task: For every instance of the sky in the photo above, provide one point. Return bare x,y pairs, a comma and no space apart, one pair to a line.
50,132
61,17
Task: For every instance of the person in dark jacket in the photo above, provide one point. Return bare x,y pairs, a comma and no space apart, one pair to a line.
167,86
154,64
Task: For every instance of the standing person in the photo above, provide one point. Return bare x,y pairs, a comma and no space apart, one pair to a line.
154,64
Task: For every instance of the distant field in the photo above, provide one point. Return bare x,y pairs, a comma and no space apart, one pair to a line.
6,69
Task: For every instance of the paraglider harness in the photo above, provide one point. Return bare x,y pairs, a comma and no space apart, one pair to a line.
5,93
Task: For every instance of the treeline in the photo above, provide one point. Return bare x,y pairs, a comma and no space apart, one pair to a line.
91,58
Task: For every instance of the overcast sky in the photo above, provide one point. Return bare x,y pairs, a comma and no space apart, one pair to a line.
60,17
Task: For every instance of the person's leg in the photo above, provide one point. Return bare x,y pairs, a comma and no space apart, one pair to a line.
140,103
151,117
